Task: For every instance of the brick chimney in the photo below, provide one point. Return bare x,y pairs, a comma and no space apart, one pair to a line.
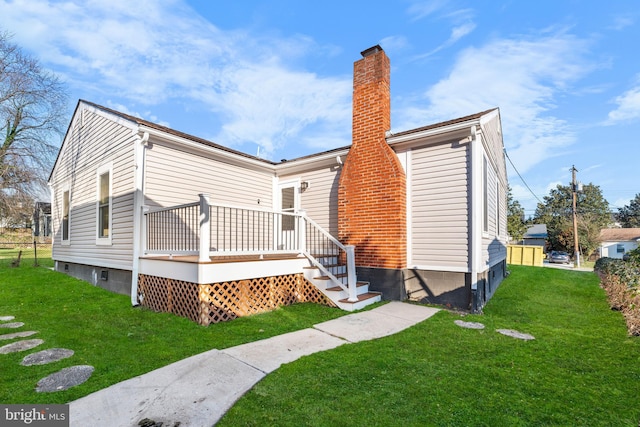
372,186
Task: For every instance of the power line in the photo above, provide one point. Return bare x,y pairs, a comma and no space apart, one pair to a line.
521,178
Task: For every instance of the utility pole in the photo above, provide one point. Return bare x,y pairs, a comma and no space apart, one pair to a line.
574,189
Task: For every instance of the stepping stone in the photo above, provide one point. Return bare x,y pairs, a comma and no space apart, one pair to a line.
20,346
6,318
515,334
46,356
469,325
64,379
17,335
12,325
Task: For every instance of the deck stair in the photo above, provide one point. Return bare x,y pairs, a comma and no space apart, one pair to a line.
335,288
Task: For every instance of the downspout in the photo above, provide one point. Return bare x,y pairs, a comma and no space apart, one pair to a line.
475,244
138,204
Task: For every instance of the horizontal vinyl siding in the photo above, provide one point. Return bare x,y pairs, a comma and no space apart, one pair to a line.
174,177
320,200
494,247
88,147
439,205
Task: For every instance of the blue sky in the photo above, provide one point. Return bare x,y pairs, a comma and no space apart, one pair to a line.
275,77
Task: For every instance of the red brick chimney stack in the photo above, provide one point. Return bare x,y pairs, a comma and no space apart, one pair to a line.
372,187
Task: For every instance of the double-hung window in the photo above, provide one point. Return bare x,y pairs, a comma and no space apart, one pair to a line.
66,199
104,205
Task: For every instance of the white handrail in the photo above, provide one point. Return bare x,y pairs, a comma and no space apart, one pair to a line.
205,240
349,250
148,209
326,233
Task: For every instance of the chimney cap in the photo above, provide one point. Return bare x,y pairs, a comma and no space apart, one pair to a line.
371,51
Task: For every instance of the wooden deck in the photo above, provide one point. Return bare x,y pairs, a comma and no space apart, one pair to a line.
224,259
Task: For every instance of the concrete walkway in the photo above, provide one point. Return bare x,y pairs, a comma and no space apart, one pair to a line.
197,391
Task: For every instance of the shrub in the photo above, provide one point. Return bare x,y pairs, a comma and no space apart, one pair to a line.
621,281
603,264
634,255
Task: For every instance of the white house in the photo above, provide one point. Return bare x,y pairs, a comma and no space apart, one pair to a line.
615,242
186,225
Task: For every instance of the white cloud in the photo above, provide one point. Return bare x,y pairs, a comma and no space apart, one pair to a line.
620,22
153,51
461,19
394,43
422,9
147,115
522,77
460,31
621,202
628,107
456,34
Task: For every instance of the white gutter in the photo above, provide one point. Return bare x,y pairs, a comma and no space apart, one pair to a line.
138,204
330,158
392,139
220,152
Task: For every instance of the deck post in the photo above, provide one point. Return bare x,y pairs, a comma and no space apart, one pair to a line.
302,230
205,229
351,272
144,236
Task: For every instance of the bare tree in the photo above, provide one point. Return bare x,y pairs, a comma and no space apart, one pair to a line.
33,106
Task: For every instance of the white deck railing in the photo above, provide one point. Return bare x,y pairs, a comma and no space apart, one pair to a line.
207,230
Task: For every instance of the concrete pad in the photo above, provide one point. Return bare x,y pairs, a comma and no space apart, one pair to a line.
403,310
12,325
380,322
195,391
515,334
17,335
20,346
46,356
267,355
469,325
65,378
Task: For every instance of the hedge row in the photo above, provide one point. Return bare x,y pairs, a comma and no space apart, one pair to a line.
621,281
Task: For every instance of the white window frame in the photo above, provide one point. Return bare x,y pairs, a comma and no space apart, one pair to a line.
102,170
66,202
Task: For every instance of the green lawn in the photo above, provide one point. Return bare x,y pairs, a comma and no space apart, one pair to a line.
581,370
106,332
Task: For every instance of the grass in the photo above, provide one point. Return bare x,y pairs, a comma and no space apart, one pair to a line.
581,370
106,332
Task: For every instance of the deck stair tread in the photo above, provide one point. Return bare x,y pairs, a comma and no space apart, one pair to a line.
338,276
363,297
338,288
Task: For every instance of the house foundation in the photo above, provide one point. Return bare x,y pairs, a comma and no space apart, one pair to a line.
111,279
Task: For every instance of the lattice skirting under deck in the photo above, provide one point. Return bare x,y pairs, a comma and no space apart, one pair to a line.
219,302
